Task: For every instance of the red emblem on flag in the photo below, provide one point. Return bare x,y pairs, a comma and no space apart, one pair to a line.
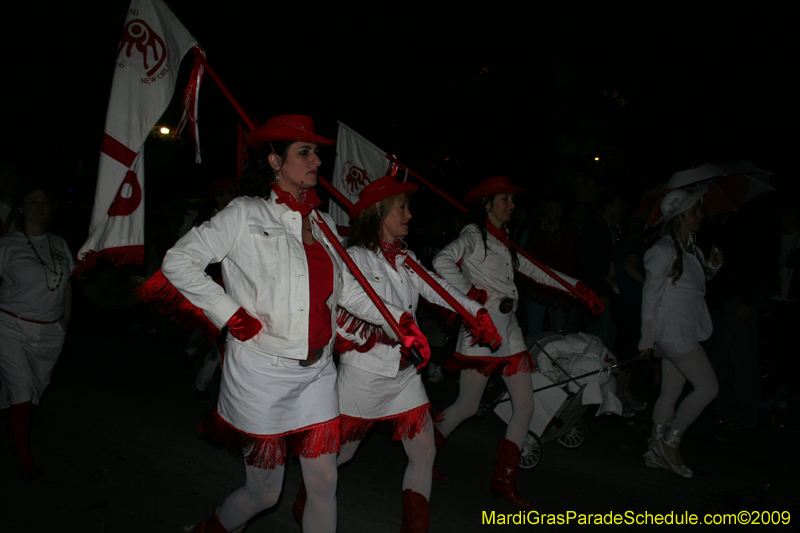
356,179
128,198
138,33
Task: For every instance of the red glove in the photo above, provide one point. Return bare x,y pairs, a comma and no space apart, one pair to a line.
589,298
243,325
486,332
414,338
479,295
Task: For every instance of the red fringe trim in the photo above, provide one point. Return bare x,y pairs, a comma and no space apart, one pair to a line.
508,366
403,426
543,293
159,292
269,451
121,255
354,325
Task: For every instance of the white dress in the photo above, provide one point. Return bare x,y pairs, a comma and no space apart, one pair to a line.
29,350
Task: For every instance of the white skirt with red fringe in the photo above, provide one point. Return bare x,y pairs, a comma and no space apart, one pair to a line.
263,406
510,358
365,399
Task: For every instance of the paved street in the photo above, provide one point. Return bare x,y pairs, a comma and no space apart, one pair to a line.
116,433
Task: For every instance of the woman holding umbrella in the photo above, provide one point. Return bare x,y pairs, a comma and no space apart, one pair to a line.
481,263
282,281
675,320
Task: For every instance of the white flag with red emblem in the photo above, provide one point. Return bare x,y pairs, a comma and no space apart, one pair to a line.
358,163
152,45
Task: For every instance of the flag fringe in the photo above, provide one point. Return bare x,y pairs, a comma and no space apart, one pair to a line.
169,301
402,426
269,451
120,255
355,326
508,366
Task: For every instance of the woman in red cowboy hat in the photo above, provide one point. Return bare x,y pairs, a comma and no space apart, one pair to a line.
481,263
376,384
282,281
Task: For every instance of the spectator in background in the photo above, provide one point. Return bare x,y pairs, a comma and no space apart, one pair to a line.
555,244
35,311
595,254
735,300
784,303
629,276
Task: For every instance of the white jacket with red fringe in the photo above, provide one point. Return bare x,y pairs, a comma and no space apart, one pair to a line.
400,291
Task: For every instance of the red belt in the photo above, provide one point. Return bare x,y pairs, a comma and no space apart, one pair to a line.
27,319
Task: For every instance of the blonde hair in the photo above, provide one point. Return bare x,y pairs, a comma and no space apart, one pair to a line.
367,228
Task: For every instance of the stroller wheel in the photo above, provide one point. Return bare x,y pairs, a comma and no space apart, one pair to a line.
531,451
574,437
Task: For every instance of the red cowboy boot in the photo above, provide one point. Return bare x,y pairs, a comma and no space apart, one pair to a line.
505,473
416,512
299,505
439,439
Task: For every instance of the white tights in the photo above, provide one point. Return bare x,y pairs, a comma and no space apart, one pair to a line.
421,452
262,489
676,368
470,392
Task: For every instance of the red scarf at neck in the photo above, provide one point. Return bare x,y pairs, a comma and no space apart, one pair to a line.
499,233
308,200
391,251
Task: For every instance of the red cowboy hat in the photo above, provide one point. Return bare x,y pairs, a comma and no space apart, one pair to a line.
490,187
286,128
380,190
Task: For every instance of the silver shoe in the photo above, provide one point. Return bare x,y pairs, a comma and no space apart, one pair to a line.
672,437
654,461
651,459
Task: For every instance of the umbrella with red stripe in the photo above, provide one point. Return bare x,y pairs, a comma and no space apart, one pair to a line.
729,186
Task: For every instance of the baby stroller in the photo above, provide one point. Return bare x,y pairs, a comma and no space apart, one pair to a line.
575,371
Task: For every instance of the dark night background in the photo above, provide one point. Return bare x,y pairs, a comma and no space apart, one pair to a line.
460,94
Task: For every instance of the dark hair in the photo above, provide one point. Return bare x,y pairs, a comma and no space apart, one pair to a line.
22,193
478,214
257,174
367,227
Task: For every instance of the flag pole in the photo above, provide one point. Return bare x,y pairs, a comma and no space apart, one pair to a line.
428,183
198,52
595,309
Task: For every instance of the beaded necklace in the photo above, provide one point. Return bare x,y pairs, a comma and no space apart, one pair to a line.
53,254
